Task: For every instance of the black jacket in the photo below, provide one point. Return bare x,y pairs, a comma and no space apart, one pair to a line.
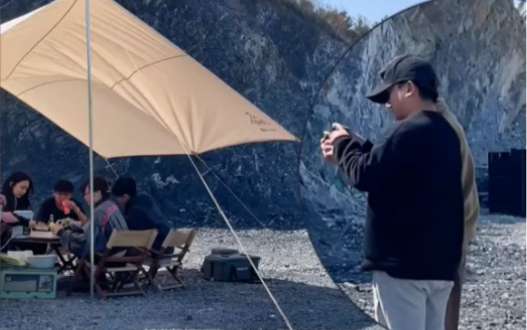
414,223
142,213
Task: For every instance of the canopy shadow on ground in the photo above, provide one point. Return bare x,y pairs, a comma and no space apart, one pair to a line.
203,305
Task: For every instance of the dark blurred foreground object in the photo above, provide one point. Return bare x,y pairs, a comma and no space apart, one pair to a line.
507,182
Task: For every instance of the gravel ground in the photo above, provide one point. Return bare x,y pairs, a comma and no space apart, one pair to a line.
494,294
294,275
494,291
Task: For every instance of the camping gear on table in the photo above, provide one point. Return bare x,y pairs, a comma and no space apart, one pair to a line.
22,282
41,234
43,231
228,265
39,231
40,228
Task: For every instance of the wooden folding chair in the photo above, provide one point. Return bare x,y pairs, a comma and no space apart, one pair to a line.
181,242
122,267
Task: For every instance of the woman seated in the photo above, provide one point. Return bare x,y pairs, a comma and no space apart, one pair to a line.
16,192
107,217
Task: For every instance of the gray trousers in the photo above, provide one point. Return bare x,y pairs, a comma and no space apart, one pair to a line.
410,304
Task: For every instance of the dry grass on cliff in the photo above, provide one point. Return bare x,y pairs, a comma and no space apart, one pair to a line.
337,23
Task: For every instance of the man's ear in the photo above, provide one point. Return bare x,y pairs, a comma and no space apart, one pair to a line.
410,89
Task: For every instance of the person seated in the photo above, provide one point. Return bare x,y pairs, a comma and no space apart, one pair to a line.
61,205
106,217
15,196
141,211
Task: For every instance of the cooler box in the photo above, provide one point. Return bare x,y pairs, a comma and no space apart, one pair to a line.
19,283
232,267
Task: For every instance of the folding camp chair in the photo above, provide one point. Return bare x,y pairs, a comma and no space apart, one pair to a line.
181,242
122,267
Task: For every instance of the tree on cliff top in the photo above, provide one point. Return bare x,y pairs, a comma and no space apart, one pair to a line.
337,23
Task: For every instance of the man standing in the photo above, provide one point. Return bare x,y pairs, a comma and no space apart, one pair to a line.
414,225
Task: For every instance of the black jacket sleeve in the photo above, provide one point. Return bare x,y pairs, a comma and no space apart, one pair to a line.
364,164
23,221
138,219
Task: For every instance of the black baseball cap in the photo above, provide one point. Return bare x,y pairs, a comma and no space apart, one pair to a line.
401,69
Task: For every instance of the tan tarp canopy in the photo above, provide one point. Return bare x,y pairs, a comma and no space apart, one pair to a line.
147,93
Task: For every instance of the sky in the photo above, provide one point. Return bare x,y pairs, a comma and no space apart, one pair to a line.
373,10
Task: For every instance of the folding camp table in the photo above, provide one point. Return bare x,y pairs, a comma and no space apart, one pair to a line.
54,243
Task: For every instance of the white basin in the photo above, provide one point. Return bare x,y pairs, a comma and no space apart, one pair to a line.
42,262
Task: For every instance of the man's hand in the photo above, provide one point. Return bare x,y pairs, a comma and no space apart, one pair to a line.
32,224
71,206
326,143
55,229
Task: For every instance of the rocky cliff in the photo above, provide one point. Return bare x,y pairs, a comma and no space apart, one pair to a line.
478,49
263,50
278,60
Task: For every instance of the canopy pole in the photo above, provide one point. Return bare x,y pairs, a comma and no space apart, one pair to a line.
90,138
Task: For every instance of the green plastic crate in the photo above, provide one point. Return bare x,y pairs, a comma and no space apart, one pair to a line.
24,283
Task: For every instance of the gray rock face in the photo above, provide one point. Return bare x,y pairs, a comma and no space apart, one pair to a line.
478,50
261,49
